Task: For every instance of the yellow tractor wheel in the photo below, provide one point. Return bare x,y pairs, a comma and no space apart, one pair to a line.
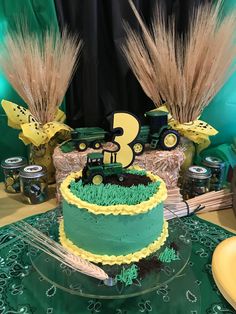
138,148
97,179
169,139
97,145
82,146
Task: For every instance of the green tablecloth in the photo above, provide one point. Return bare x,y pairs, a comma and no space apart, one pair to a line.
24,291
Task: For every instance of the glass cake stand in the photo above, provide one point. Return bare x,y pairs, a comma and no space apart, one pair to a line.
152,277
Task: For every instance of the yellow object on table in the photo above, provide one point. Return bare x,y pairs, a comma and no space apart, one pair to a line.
224,269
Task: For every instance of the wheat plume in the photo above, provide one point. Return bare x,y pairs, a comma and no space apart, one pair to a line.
40,68
40,241
184,71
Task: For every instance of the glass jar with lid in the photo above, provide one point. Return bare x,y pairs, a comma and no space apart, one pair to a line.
196,181
11,169
34,184
218,168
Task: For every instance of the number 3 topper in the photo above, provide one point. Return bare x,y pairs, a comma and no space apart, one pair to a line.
125,127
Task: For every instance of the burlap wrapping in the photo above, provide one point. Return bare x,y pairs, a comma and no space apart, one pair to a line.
165,164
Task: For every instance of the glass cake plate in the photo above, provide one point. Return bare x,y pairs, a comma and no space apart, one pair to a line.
151,276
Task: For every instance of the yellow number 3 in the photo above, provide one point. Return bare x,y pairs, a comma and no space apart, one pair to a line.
129,129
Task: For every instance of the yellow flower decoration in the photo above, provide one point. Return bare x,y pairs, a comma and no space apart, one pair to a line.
32,131
197,131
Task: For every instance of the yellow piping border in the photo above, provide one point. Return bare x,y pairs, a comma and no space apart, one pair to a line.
121,209
113,259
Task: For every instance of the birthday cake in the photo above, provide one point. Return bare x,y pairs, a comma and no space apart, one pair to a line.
115,222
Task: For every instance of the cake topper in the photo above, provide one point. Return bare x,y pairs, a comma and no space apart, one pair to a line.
125,127
96,170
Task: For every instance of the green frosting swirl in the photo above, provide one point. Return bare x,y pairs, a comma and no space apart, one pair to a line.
111,194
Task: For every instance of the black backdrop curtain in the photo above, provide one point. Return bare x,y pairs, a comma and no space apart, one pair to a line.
103,82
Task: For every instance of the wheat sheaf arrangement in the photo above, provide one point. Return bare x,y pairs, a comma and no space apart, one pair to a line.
40,68
184,71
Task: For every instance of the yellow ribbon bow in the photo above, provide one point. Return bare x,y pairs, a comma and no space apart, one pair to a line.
32,131
197,131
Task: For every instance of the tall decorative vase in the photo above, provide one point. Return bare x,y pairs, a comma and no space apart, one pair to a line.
42,155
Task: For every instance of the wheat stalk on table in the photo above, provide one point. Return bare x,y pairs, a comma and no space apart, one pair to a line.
40,241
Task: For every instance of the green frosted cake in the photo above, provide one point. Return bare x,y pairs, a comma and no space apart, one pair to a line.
114,222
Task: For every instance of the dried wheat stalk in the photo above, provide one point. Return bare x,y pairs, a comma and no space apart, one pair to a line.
40,68
187,71
40,241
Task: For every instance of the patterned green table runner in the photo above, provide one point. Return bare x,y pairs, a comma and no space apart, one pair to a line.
24,291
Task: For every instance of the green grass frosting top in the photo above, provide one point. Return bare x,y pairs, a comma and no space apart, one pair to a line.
111,194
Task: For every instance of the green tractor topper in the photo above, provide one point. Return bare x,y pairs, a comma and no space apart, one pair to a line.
157,133
95,170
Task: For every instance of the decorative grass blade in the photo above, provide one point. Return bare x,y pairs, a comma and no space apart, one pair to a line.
40,241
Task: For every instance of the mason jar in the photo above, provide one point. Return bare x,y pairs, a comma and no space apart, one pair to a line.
11,169
34,184
196,181
218,168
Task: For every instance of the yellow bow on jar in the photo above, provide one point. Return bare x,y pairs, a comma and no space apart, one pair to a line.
32,131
